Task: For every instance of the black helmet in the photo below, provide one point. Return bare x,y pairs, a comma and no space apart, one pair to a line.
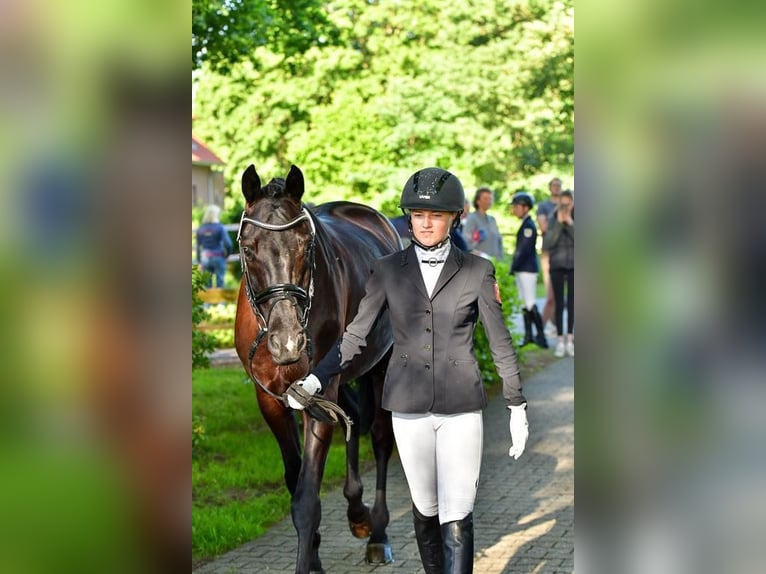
523,198
433,188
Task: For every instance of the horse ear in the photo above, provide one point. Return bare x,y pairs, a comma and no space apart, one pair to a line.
251,184
294,184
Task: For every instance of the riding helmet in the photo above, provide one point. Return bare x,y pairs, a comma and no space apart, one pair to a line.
434,189
523,198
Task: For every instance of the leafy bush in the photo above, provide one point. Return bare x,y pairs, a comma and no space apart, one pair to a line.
511,305
202,343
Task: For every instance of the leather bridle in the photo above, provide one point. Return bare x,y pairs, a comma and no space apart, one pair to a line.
297,295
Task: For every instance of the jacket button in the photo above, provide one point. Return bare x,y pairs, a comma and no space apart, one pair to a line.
428,329
428,311
428,366
427,347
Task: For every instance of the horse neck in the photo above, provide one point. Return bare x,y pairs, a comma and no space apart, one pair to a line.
323,252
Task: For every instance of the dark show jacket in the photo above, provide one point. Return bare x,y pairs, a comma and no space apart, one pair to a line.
525,255
433,367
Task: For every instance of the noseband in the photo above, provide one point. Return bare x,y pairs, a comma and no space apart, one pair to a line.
300,297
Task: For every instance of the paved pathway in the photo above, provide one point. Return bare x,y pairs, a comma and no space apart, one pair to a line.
524,512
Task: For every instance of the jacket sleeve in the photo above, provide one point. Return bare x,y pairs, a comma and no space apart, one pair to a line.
500,249
569,230
500,343
552,236
468,228
525,250
354,339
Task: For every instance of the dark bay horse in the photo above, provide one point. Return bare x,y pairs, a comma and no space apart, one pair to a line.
304,273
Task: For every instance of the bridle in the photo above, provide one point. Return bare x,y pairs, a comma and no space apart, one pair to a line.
297,295
317,407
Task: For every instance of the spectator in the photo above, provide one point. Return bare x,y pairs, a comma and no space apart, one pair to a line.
559,242
544,209
213,245
524,268
480,229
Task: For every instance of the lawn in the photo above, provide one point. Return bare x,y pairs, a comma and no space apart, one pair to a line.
238,486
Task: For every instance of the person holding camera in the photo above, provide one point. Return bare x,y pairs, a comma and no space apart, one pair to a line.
559,242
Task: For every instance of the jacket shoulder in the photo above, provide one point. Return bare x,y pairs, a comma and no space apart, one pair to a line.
472,261
392,259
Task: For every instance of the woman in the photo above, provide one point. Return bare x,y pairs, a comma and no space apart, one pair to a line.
480,228
559,242
434,294
524,268
213,245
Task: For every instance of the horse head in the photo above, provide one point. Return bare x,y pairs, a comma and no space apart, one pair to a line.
276,243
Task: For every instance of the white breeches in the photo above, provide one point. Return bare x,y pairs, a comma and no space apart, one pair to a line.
441,457
526,284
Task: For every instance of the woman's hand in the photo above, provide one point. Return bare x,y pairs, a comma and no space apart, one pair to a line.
519,430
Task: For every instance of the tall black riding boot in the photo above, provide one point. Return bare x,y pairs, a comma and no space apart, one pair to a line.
527,328
458,546
537,320
429,537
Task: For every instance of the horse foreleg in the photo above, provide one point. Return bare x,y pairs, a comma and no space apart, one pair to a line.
306,508
285,429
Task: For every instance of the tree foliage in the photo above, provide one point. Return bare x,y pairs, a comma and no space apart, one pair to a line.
202,343
480,87
225,32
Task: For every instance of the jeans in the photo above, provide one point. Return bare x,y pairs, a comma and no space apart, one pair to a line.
560,277
216,266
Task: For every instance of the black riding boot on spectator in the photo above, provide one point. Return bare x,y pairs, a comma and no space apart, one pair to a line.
527,328
429,537
458,546
537,320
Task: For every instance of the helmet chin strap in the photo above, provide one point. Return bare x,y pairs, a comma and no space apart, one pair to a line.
442,243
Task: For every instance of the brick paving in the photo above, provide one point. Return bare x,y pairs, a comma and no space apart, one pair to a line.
524,515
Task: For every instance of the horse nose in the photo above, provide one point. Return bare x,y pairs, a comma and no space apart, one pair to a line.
286,350
275,346
301,342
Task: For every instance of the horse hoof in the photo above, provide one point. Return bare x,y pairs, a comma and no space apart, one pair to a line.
379,553
360,529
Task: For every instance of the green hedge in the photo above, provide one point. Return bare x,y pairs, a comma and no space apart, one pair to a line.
202,343
511,305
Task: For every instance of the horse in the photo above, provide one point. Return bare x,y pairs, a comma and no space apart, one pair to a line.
303,276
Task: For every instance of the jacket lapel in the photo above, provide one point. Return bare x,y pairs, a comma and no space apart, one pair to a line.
451,266
411,270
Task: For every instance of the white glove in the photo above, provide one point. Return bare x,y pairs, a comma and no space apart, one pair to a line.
310,384
519,430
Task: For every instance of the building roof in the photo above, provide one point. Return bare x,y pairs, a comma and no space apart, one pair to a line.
201,154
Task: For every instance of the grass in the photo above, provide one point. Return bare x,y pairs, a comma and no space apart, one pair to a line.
238,489
238,486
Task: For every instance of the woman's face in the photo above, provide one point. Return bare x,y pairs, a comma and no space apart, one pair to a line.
430,227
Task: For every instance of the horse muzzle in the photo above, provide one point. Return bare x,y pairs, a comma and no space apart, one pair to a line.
286,349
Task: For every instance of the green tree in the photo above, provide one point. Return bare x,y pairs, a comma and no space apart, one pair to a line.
479,87
225,32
